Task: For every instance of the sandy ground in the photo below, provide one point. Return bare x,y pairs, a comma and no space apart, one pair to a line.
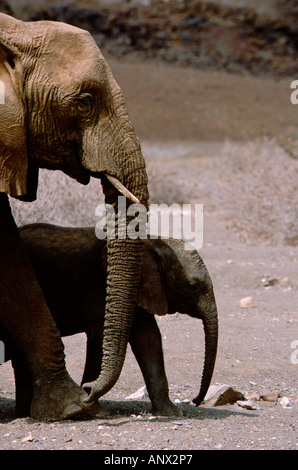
227,142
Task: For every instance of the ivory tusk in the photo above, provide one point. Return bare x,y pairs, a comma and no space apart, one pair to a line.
121,188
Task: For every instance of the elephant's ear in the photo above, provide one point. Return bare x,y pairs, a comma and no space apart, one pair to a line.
152,295
16,178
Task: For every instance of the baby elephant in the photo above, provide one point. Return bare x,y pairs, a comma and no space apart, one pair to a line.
70,264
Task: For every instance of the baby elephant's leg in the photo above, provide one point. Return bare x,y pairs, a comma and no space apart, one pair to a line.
146,344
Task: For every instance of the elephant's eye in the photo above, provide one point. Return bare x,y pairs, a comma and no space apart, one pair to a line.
85,103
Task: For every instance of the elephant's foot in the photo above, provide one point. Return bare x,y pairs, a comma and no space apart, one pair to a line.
53,402
166,408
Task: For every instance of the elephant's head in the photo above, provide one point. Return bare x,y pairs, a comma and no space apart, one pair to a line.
63,110
175,279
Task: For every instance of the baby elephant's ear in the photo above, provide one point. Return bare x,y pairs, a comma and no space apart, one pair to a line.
151,295
16,178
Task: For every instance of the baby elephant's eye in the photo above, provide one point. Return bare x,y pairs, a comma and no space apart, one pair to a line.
85,103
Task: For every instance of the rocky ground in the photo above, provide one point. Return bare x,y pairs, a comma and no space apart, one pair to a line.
199,34
229,142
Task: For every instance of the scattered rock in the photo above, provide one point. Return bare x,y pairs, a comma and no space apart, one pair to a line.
285,402
252,396
140,393
28,438
234,39
223,394
270,396
248,404
246,302
269,281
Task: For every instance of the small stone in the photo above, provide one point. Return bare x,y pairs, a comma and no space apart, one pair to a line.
269,396
223,394
285,402
269,281
252,396
140,393
248,404
246,302
28,438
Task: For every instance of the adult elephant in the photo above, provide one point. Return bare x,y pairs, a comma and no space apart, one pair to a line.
63,110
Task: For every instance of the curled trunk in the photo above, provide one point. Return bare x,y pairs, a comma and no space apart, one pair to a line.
210,322
124,258
123,276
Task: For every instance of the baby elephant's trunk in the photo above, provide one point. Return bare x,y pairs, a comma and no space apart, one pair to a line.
210,321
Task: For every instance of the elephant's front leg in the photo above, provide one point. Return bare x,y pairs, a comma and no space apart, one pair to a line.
26,317
146,344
